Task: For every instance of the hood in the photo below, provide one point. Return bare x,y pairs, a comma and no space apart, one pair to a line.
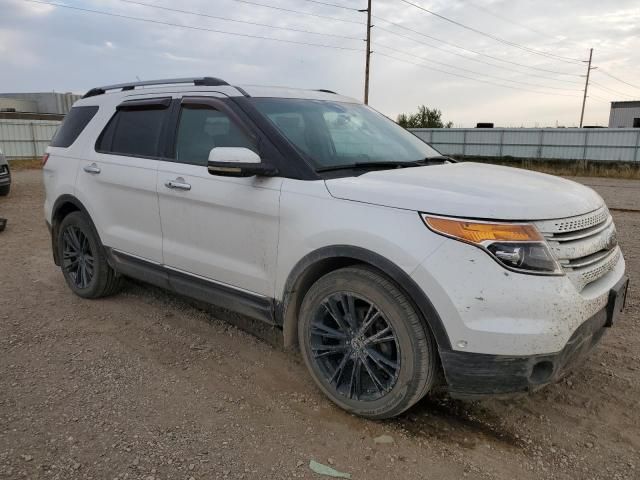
472,190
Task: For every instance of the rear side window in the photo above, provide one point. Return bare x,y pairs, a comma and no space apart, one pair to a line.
134,131
73,125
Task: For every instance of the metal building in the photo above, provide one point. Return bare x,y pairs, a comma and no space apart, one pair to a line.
625,114
43,102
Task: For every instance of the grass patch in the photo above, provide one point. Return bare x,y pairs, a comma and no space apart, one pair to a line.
25,164
572,168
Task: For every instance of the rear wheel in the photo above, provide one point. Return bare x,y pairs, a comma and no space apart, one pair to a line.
82,259
364,344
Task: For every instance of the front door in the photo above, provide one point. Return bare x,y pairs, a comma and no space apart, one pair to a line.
221,229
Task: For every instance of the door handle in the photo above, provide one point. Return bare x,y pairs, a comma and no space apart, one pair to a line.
177,184
93,169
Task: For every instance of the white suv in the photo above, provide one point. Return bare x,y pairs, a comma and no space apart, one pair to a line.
392,268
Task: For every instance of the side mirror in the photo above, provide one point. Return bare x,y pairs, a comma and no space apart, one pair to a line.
238,162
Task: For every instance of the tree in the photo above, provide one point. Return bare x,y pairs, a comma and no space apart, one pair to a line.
425,118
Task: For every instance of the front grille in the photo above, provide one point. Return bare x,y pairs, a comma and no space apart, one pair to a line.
586,245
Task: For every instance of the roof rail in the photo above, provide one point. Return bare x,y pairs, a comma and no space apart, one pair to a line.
326,91
199,81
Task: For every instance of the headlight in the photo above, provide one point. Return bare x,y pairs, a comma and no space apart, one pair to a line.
516,246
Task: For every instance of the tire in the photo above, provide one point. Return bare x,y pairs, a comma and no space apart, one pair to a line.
4,190
391,360
88,274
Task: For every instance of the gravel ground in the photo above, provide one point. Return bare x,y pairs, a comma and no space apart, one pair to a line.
143,385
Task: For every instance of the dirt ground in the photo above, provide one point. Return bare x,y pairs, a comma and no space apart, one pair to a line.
143,385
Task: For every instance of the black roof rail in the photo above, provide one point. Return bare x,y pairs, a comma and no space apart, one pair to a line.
326,91
198,81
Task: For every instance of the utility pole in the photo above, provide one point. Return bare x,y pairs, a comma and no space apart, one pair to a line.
586,86
368,54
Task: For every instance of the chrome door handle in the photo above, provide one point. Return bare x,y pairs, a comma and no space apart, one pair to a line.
177,184
93,169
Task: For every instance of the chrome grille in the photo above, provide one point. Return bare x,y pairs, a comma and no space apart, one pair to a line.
586,246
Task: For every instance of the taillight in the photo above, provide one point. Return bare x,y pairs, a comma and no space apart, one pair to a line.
45,157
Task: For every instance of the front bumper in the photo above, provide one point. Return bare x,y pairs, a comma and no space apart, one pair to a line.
5,179
487,309
474,376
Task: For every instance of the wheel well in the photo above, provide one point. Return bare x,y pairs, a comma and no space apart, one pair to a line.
295,294
327,259
59,213
62,211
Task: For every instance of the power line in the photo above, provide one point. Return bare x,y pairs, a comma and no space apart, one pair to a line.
591,95
227,19
332,5
506,19
618,79
494,37
472,71
472,78
617,92
475,52
191,27
256,4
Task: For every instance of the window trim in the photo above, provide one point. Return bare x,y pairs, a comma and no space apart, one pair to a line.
156,103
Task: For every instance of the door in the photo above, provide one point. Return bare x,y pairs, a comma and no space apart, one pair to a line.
221,229
117,183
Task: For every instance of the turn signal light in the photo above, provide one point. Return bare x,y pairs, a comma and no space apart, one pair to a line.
479,232
516,246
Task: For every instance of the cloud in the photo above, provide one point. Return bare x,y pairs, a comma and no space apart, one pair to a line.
64,49
32,9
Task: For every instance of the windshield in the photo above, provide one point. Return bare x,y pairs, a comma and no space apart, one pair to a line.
334,134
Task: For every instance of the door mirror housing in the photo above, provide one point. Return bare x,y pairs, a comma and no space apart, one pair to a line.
238,162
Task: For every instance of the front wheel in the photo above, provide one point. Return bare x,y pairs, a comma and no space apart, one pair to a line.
82,259
4,190
364,344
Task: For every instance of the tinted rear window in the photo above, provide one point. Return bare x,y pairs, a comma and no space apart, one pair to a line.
134,132
73,125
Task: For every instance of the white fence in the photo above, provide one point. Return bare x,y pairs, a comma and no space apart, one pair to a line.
606,144
26,138
29,138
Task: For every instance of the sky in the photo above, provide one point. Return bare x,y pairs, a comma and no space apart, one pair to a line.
511,62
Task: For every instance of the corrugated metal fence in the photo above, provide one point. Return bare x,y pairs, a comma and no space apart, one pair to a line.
616,144
29,139
26,138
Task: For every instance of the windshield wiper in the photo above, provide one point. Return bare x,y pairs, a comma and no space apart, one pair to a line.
387,164
356,165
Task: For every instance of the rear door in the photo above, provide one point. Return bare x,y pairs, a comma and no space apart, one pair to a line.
221,229
117,183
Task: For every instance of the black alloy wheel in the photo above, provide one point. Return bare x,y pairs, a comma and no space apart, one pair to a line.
364,343
82,258
355,347
77,257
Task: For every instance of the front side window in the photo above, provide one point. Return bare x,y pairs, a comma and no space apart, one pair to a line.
334,134
202,128
135,131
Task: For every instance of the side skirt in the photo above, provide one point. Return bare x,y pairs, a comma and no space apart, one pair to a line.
240,301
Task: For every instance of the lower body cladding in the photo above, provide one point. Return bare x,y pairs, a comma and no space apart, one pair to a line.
509,332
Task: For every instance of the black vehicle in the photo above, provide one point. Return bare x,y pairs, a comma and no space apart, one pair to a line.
5,176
